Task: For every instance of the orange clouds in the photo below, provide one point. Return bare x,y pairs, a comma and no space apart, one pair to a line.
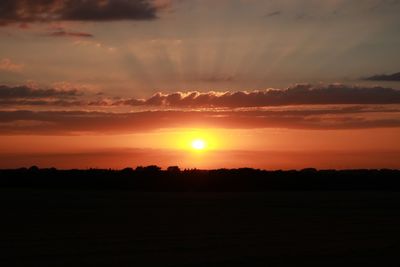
333,106
76,122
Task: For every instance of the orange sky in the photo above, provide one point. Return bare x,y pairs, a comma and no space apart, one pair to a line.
260,148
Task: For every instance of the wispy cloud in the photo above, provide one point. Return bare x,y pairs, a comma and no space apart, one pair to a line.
63,33
9,66
274,13
75,122
395,77
26,92
217,78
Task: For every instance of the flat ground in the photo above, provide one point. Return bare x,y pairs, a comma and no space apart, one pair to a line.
122,228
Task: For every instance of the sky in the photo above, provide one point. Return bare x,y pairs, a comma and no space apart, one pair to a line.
277,84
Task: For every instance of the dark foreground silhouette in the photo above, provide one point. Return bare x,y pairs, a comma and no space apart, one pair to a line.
152,178
148,217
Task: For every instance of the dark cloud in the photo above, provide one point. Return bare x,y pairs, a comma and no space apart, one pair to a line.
296,95
384,4
275,13
43,102
17,92
334,94
73,122
22,11
395,77
63,33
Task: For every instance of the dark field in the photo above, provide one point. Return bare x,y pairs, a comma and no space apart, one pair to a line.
47,227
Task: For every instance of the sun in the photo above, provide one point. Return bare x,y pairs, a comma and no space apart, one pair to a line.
198,144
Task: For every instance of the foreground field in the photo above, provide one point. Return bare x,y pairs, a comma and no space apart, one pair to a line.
44,227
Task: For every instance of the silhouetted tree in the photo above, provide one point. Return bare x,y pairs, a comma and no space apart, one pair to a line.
173,169
34,168
309,170
245,179
139,169
127,171
152,168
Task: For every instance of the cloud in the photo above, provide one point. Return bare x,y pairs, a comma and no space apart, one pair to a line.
41,102
77,122
395,77
296,95
63,33
333,94
9,66
23,11
217,78
26,92
275,13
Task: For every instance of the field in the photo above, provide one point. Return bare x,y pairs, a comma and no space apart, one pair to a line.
45,227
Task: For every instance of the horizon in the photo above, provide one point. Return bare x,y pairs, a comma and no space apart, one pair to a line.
179,169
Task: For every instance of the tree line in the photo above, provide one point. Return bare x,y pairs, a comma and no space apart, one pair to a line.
154,178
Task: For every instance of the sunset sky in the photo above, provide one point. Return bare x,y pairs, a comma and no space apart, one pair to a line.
278,84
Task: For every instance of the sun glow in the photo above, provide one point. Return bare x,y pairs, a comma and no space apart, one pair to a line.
198,144
196,140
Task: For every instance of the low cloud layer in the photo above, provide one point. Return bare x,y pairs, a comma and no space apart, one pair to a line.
335,94
298,107
395,77
296,95
76,122
26,92
22,11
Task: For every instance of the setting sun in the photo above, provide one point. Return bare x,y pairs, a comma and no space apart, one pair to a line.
198,144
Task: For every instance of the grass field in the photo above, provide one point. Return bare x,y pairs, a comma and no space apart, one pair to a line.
122,228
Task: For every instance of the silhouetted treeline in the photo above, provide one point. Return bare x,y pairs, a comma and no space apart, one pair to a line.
152,178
